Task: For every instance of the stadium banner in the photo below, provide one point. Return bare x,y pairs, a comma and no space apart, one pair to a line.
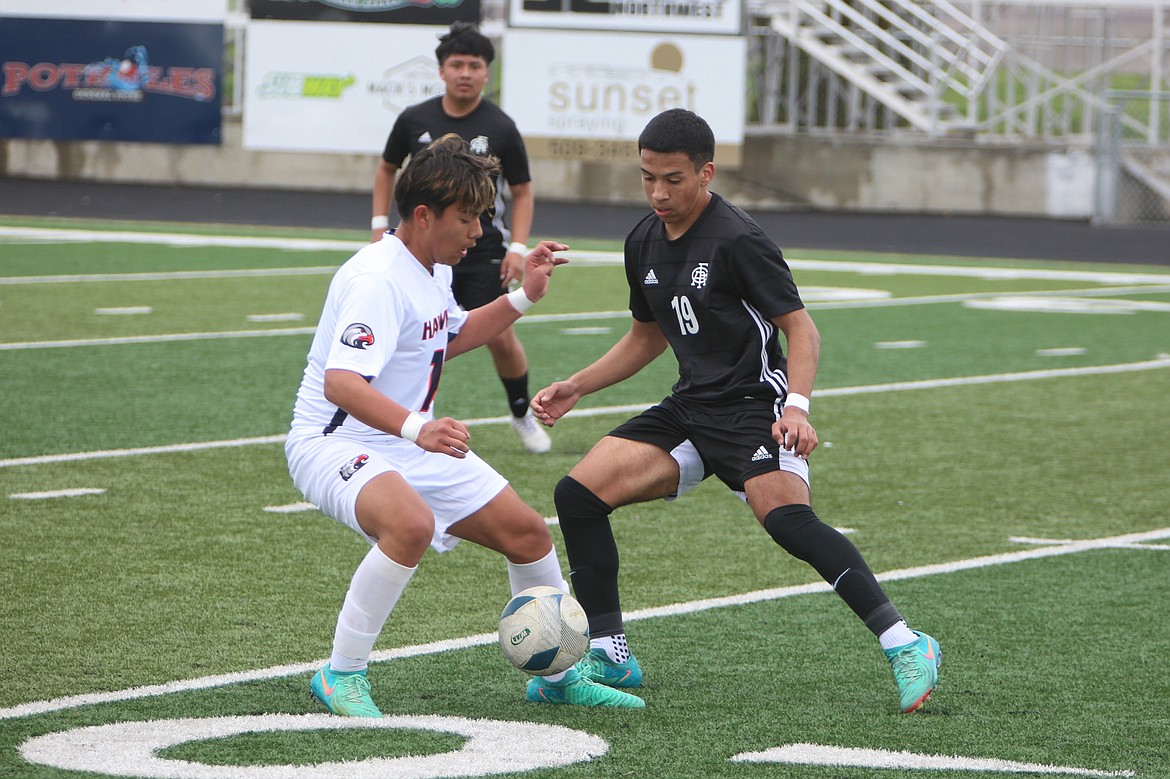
321,87
386,11
684,16
590,97
140,10
76,80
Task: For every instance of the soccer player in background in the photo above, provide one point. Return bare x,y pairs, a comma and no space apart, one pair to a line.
364,446
707,282
497,259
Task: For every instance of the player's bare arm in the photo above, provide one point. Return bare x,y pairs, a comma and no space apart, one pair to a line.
383,194
351,392
633,352
486,322
523,208
793,430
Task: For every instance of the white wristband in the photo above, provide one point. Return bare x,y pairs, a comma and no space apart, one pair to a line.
519,300
796,400
379,222
412,426
517,248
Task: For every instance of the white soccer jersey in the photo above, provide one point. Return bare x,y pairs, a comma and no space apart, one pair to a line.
388,319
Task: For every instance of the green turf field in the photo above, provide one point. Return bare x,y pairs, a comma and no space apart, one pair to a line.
994,438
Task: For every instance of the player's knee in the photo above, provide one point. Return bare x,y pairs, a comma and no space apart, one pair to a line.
529,541
409,532
787,525
576,503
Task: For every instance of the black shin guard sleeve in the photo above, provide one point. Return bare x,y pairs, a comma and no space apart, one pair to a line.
802,534
517,391
592,553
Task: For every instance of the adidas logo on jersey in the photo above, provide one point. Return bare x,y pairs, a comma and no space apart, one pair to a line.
425,137
650,278
761,454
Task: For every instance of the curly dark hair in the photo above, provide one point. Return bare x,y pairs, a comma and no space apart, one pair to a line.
465,38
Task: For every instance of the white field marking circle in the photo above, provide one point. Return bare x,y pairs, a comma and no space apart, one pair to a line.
1066,305
816,754
129,748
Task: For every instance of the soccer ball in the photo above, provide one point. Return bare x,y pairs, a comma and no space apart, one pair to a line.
543,631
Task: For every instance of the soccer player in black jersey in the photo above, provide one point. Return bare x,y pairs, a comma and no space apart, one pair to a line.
707,282
497,259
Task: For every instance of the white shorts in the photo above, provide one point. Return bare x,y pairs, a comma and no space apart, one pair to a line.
330,471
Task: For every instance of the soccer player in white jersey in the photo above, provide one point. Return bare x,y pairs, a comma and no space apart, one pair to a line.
364,446
707,282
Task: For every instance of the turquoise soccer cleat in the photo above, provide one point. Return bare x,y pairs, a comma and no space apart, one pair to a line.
915,669
576,690
344,694
597,667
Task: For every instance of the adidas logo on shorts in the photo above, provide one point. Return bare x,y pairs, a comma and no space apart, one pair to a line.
761,454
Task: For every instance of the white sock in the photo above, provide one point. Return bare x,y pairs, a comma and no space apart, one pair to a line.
898,634
375,588
544,572
616,647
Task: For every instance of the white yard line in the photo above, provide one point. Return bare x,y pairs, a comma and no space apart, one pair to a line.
484,639
49,235
1162,361
177,275
532,319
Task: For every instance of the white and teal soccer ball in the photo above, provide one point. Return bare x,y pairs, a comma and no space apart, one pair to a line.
543,631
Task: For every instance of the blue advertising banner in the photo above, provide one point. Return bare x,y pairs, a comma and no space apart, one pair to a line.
389,11
73,80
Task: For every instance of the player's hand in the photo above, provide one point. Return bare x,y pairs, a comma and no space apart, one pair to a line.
794,433
538,266
511,269
554,401
445,436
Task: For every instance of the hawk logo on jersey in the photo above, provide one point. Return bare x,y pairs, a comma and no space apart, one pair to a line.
700,275
434,327
358,336
353,466
479,146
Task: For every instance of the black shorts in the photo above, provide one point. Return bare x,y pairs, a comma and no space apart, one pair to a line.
734,440
476,283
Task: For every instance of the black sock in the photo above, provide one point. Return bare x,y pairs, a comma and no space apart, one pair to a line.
517,391
802,534
592,553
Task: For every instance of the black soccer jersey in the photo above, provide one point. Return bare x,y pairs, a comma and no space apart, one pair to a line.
489,131
714,291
